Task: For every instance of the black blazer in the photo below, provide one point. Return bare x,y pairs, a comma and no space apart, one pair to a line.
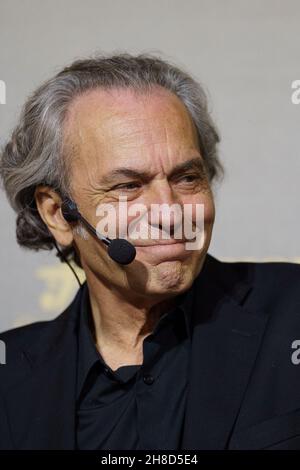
244,390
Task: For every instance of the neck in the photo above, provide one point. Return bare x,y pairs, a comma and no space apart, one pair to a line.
121,322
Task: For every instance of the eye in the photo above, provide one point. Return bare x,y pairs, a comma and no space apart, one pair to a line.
189,178
130,186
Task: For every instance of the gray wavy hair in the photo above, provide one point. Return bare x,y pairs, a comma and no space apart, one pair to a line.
34,155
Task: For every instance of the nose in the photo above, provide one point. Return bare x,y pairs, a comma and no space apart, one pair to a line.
164,207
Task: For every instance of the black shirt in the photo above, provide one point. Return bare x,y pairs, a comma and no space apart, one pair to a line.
135,406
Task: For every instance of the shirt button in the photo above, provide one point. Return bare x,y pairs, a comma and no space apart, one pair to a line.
148,379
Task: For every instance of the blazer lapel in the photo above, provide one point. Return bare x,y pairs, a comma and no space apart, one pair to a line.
226,340
41,402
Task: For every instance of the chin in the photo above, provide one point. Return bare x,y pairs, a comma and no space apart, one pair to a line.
171,276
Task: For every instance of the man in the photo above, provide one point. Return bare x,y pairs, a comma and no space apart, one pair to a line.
172,349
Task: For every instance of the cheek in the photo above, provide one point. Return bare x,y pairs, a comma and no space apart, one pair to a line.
116,220
209,211
201,210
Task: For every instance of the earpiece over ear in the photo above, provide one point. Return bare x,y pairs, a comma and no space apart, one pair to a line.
69,210
120,250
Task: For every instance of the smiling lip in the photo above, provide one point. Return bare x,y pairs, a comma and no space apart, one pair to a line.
166,251
167,242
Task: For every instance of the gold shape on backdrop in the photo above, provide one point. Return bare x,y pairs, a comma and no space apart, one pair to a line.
59,289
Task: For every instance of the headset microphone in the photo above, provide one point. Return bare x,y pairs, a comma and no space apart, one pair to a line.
119,249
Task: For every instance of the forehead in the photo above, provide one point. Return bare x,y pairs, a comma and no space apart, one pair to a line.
123,124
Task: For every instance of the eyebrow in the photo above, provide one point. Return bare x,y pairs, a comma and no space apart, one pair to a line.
195,163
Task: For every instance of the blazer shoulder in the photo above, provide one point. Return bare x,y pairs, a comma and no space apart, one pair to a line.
282,268
274,279
18,338
274,286
22,337
264,274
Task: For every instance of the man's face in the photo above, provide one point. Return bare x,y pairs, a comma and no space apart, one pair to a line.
135,146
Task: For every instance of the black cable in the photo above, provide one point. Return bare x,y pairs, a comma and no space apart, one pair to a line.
60,253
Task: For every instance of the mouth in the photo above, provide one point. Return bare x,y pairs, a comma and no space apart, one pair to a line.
171,250
159,243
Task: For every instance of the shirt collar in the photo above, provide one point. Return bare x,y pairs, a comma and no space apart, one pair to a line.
87,351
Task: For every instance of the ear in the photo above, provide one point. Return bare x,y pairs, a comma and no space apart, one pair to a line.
48,203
